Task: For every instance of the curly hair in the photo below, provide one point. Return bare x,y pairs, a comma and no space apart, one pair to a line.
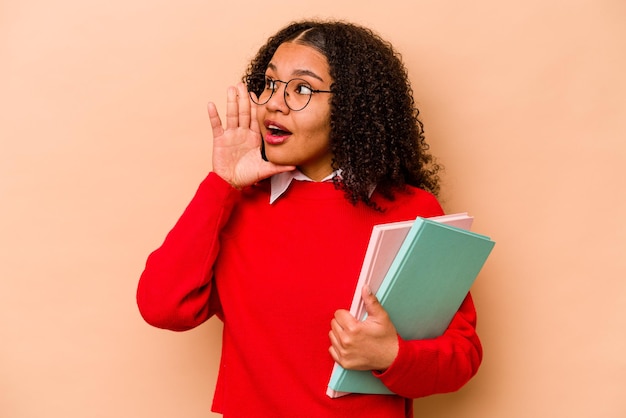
377,138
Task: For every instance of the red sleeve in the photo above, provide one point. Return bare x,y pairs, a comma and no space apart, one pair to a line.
175,288
439,365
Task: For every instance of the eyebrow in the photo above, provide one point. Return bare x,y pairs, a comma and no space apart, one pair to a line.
298,73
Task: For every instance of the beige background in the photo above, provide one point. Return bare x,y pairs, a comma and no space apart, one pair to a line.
104,138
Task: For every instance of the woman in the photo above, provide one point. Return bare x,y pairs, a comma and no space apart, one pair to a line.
321,142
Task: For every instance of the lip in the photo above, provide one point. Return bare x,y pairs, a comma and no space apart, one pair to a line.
273,138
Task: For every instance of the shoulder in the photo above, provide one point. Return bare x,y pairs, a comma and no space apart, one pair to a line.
413,201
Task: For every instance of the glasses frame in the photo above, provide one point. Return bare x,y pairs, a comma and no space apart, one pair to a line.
286,83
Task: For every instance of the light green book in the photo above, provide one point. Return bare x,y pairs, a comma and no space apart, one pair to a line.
422,290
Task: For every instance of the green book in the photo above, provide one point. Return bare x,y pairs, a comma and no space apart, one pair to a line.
422,290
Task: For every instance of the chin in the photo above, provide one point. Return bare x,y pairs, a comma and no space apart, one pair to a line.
278,158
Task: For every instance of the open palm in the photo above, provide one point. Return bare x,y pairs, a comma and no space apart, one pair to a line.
237,147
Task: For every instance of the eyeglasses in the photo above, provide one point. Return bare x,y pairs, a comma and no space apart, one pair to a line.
297,92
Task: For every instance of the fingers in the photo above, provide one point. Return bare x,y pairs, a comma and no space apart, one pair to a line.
344,319
238,109
243,101
336,336
372,305
254,123
342,342
214,117
232,109
371,344
341,327
335,341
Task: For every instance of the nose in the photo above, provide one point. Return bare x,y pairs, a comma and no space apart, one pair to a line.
278,101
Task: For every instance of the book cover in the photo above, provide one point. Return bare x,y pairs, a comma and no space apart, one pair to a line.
428,279
385,241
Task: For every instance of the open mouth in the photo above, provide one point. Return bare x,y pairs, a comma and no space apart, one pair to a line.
276,130
276,134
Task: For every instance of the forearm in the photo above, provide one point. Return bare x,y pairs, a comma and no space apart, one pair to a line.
175,287
439,365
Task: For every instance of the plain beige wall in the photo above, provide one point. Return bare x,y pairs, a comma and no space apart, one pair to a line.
104,138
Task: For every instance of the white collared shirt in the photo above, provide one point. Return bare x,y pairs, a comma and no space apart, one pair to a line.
280,182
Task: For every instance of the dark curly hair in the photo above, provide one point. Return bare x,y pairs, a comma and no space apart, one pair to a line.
376,136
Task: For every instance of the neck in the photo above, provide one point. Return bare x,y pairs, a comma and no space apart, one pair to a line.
316,175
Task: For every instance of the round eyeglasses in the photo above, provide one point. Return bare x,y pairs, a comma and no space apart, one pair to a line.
297,91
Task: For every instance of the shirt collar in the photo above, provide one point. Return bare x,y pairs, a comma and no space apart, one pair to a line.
280,182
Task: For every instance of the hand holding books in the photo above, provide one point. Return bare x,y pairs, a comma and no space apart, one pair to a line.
421,271
371,344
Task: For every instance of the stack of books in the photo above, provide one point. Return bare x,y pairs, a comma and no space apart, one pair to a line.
420,271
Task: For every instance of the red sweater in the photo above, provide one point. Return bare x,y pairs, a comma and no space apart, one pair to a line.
275,275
